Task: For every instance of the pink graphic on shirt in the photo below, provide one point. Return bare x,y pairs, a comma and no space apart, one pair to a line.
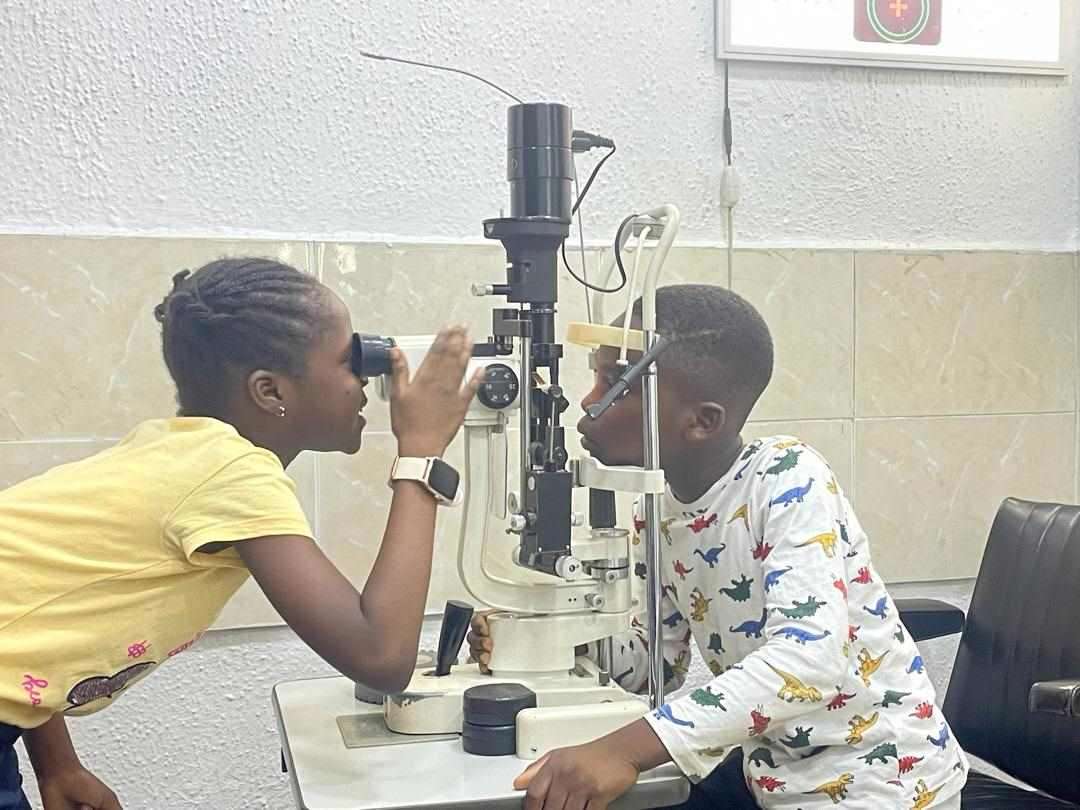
184,646
32,685
138,649
701,523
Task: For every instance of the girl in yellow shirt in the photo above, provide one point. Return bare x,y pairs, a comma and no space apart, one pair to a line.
118,562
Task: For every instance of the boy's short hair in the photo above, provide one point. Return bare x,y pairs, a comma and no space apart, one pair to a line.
721,346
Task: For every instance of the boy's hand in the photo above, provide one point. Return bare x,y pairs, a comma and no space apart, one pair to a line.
75,788
480,643
591,776
426,412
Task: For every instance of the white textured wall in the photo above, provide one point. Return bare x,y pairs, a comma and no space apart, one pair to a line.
260,117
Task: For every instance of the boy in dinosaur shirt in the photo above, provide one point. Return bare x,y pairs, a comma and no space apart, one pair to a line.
766,567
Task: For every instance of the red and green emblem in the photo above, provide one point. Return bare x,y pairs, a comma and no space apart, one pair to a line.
900,22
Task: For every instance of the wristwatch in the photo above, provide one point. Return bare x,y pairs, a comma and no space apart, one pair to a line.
438,477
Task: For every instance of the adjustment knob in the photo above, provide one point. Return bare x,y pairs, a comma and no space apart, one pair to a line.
499,388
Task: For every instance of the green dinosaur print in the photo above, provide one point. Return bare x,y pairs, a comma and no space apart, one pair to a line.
740,591
788,461
882,752
762,755
707,697
801,738
802,610
892,698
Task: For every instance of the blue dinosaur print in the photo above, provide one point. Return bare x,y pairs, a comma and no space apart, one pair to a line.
843,532
799,635
773,577
942,738
673,619
794,495
917,665
664,713
712,555
752,628
881,609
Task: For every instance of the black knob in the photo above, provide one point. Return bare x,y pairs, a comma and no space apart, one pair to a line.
455,625
500,386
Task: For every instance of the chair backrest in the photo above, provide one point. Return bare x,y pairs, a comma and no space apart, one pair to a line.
1023,626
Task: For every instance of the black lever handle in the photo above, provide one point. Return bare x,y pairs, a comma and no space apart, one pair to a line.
455,625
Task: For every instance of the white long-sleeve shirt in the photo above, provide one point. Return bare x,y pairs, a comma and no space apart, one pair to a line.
815,676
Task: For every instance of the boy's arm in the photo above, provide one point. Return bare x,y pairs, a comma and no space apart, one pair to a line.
62,780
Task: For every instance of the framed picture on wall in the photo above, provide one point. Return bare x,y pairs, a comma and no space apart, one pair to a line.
999,36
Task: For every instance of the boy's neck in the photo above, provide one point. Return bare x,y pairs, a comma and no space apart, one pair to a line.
694,475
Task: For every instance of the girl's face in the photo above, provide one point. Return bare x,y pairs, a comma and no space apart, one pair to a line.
325,411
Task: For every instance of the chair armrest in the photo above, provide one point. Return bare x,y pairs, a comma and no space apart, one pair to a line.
930,618
1055,697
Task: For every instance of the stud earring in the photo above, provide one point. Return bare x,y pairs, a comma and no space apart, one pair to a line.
281,410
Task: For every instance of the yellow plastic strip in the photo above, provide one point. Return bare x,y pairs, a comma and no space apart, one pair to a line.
594,335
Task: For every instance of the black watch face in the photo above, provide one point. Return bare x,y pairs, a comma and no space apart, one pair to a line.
443,479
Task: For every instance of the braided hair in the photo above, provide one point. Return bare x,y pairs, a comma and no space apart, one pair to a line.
234,316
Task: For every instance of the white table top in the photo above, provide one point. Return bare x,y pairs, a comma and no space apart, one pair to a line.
325,775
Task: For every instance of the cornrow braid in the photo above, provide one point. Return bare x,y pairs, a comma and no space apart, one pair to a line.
235,315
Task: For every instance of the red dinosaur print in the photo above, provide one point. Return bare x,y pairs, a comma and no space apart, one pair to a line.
761,550
770,783
760,721
701,523
906,764
681,569
840,701
924,711
853,632
864,576
840,586
639,525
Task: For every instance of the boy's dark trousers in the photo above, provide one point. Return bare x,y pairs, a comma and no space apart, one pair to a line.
11,794
723,789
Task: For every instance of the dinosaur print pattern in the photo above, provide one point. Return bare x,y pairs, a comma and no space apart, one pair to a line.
794,689
711,556
826,540
752,628
773,577
800,636
835,789
793,495
739,590
769,576
802,610
858,726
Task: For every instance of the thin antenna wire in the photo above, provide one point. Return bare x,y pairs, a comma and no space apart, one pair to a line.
370,55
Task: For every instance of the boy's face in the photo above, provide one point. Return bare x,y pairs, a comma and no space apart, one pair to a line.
615,438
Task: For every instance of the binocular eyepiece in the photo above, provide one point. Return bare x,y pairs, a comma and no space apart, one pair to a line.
371,355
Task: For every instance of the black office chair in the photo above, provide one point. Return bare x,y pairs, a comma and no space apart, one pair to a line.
1014,696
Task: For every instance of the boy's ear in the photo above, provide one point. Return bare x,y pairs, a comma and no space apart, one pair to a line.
707,420
265,389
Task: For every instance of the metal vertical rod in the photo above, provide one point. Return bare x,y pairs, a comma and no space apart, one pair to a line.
651,435
526,416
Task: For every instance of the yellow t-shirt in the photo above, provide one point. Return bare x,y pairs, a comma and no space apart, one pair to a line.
102,576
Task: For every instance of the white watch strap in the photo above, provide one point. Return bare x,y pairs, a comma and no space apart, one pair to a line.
410,468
